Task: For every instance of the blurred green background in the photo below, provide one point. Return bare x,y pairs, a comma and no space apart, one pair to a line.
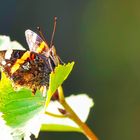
103,38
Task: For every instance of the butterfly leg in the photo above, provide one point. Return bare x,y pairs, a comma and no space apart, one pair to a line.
49,60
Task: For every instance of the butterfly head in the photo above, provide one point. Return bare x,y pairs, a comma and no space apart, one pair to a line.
53,55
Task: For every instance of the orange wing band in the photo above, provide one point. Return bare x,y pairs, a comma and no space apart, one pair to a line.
20,61
41,47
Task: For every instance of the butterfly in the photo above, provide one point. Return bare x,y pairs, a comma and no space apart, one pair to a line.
31,68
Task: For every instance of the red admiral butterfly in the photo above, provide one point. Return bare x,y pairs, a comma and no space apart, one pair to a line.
31,68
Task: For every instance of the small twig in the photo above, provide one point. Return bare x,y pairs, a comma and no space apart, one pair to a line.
72,115
55,115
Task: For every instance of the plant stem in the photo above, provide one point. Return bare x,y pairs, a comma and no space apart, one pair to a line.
72,115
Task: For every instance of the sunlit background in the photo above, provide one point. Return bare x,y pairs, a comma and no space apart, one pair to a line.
103,38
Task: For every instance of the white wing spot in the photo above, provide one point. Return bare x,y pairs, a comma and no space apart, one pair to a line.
3,62
8,53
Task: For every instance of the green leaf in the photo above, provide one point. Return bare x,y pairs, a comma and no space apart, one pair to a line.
18,107
57,77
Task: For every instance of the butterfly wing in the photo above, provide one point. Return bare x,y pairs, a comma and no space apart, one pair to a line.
35,43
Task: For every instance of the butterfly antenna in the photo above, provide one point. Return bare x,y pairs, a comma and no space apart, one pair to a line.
54,29
41,34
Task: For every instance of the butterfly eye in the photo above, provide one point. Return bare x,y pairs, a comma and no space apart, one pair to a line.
53,51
